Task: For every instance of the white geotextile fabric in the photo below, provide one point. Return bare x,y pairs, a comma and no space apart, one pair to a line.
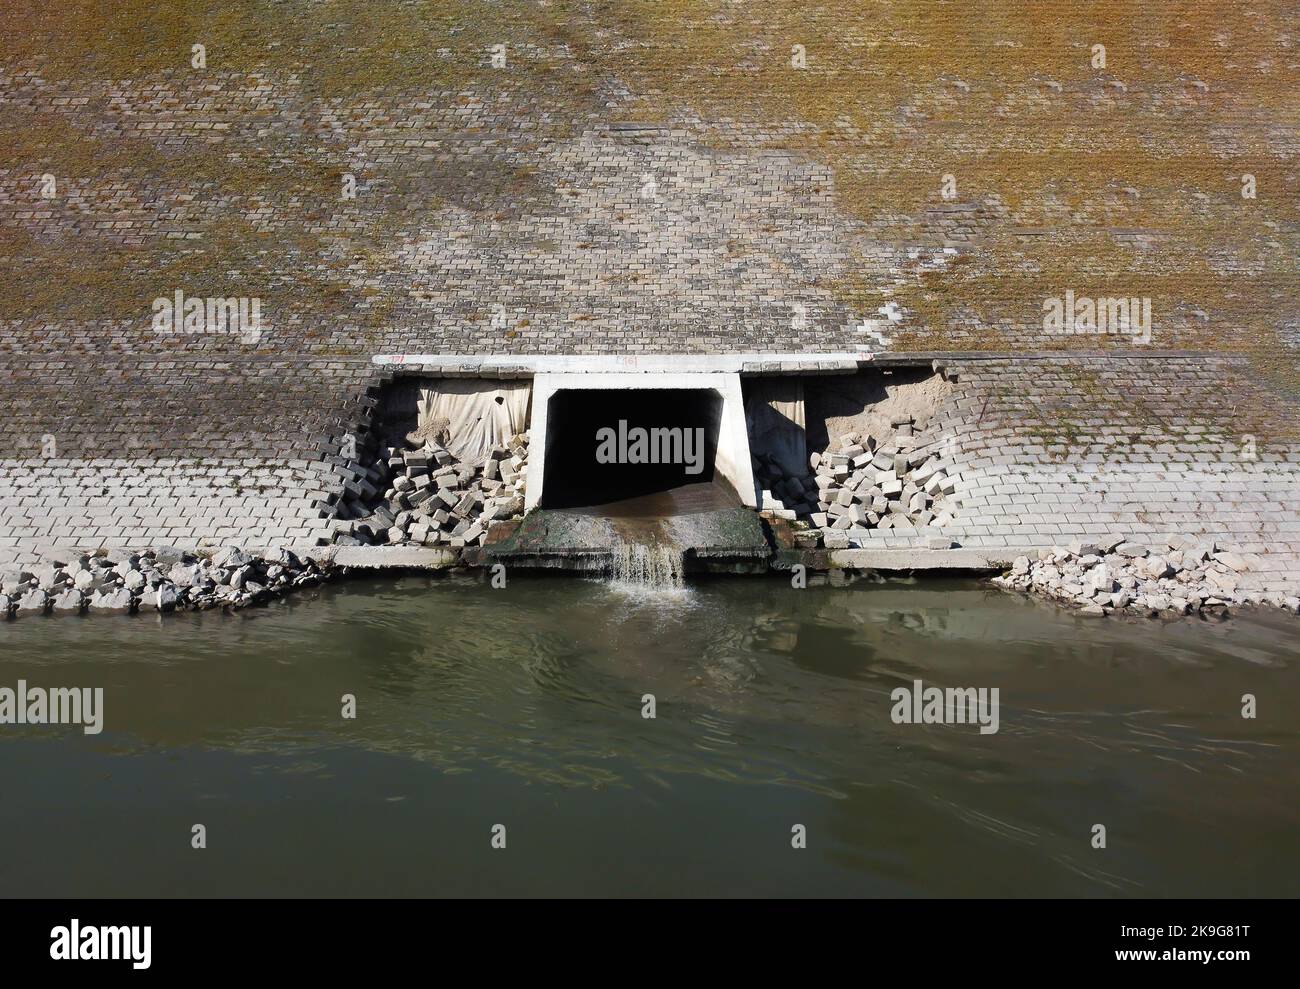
480,414
775,412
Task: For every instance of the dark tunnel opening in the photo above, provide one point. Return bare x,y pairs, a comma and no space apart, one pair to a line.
607,445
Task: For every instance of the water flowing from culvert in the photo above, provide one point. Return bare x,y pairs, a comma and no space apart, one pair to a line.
648,567
645,556
642,544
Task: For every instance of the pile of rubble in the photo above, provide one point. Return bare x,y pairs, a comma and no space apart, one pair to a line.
431,499
162,579
899,483
1187,576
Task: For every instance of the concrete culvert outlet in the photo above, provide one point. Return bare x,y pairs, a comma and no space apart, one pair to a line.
610,445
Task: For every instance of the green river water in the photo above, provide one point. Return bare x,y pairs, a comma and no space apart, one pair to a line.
523,707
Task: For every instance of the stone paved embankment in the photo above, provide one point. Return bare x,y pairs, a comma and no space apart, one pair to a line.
1044,451
649,180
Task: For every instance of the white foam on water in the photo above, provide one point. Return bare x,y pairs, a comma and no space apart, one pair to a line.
650,572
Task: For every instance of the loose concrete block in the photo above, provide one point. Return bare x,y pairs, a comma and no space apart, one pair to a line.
14,582
185,575
1223,583
51,578
1157,567
228,558
1233,561
88,580
34,602
165,596
115,600
70,600
922,474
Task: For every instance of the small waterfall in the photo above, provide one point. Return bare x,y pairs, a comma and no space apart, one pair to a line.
649,567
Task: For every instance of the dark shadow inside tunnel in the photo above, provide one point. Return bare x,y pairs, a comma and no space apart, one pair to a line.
606,445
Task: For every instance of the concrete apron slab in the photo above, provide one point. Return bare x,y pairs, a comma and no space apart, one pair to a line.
927,559
394,557
721,540
597,558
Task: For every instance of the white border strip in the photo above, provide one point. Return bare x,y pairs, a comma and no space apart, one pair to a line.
598,363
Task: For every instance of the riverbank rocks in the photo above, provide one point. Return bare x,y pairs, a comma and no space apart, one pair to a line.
429,498
163,580
1187,575
864,482
70,600
115,601
34,602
